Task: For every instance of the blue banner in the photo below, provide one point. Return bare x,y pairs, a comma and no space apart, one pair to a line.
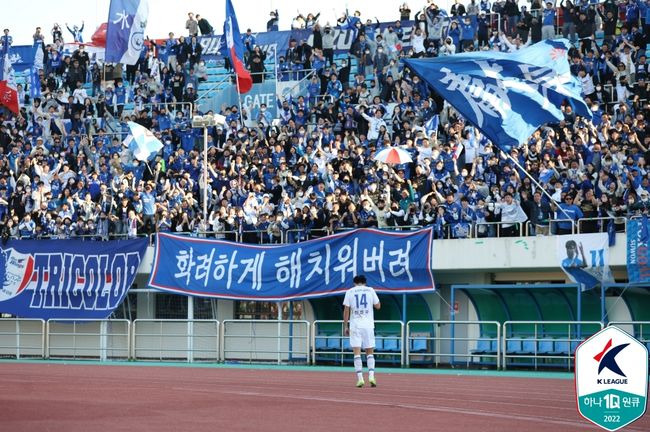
51,279
638,268
22,57
585,258
278,42
393,262
492,90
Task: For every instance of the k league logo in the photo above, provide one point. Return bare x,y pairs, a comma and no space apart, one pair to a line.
611,378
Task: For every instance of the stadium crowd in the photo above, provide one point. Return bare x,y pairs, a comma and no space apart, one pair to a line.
63,173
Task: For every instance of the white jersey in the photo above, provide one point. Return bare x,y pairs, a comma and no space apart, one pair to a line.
361,300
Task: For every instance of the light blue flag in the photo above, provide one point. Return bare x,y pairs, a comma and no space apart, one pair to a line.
127,23
142,142
507,96
432,124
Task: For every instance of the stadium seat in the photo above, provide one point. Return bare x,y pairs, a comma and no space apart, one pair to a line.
334,343
482,347
528,346
545,346
418,345
574,345
560,348
391,344
513,346
379,344
321,343
346,344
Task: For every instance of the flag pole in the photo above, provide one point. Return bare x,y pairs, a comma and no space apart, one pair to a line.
541,188
241,112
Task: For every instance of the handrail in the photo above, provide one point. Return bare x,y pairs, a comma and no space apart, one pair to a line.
341,336
279,351
539,336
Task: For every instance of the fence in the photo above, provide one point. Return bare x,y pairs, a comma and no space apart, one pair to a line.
88,339
528,344
175,340
552,342
22,338
282,341
330,345
638,329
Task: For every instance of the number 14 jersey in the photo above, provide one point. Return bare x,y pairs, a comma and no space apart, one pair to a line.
361,299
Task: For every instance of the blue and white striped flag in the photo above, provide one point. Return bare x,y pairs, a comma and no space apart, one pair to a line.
127,23
507,96
142,142
432,124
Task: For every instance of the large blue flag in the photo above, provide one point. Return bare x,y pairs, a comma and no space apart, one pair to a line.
507,96
127,22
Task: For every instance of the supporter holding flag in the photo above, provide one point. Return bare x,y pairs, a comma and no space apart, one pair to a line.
235,49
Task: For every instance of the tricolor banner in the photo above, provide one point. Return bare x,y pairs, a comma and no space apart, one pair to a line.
70,279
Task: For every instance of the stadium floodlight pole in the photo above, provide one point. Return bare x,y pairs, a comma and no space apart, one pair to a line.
541,188
204,122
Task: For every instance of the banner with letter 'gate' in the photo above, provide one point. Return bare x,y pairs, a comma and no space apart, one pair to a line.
67,279
393,262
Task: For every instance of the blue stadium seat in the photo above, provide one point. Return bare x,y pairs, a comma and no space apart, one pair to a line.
346,344
528,346
545,346
574,345
391,344
320,344
560,348
482,347
379,344
513,346
418,345
334,343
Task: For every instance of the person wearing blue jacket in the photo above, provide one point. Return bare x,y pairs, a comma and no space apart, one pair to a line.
548,21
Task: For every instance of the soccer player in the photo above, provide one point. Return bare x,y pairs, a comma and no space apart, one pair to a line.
359,302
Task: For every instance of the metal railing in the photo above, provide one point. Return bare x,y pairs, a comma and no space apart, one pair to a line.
331,344
636,329
176,340
22,338
478,339
553,342
519,230
265,340
88,339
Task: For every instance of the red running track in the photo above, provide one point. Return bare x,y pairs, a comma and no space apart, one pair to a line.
74,397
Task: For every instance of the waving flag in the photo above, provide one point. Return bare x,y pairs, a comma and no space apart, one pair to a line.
235,49
142,142
431,126
127,22
507,96
8,89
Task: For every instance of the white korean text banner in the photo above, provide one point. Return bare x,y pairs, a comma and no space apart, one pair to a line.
393,262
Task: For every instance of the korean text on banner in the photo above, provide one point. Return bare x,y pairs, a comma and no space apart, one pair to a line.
393,262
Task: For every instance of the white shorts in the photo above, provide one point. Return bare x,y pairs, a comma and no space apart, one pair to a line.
362,338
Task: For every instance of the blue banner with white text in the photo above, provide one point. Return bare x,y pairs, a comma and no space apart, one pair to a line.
393,263
67,279
638,267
